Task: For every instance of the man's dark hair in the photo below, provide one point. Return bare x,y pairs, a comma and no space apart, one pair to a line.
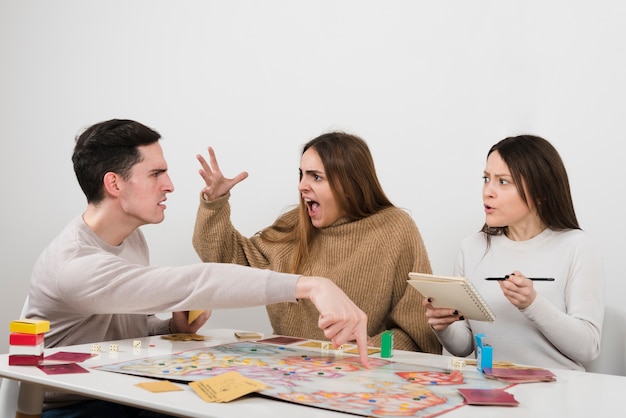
109,146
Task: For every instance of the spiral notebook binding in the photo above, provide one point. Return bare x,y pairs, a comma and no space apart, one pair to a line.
444,296
480,303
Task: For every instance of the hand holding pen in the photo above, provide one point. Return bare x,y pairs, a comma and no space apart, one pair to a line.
519,289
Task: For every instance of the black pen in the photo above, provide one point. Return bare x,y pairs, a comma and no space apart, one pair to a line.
535,279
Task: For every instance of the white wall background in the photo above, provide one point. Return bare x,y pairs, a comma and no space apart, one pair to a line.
431,85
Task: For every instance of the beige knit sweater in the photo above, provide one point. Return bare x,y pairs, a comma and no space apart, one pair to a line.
369,259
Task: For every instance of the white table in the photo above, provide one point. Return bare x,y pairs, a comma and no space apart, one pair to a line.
574,394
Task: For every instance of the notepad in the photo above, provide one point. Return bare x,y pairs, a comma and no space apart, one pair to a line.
454,293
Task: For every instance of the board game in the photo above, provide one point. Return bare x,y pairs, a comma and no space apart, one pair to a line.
329,379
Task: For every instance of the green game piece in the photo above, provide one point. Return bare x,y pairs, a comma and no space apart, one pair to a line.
386,347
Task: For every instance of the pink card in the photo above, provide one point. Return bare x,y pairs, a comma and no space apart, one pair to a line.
62,368
520,375
496,397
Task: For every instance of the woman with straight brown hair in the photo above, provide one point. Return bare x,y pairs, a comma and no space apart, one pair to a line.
344,228
541,274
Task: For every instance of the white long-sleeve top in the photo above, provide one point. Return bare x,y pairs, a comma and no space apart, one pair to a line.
91,291
562,327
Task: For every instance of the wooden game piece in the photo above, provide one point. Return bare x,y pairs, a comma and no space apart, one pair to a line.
386,346
18,338
18,360
26,350
30,326
484,353
458,364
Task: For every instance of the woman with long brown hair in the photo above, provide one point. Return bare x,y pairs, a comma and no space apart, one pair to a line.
547,287
344,228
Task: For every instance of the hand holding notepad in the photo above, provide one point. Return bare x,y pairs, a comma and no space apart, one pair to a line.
454,293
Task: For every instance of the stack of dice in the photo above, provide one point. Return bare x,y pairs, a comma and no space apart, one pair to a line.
26,341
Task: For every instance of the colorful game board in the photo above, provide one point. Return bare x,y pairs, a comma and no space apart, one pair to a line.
329,380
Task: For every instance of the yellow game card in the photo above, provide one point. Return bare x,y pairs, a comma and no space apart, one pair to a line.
183,337
225,387
315,344
370,350
245,335
193,315
159,386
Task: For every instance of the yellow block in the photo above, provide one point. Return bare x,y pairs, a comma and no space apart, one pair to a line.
30,326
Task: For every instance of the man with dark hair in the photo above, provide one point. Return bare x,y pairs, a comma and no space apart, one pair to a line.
94,282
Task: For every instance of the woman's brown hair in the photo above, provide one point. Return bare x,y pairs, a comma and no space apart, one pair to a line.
540,176
350,170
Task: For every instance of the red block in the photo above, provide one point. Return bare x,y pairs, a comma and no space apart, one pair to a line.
18,360
18,338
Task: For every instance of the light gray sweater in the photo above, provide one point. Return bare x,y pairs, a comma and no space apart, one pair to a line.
91,291
562,328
